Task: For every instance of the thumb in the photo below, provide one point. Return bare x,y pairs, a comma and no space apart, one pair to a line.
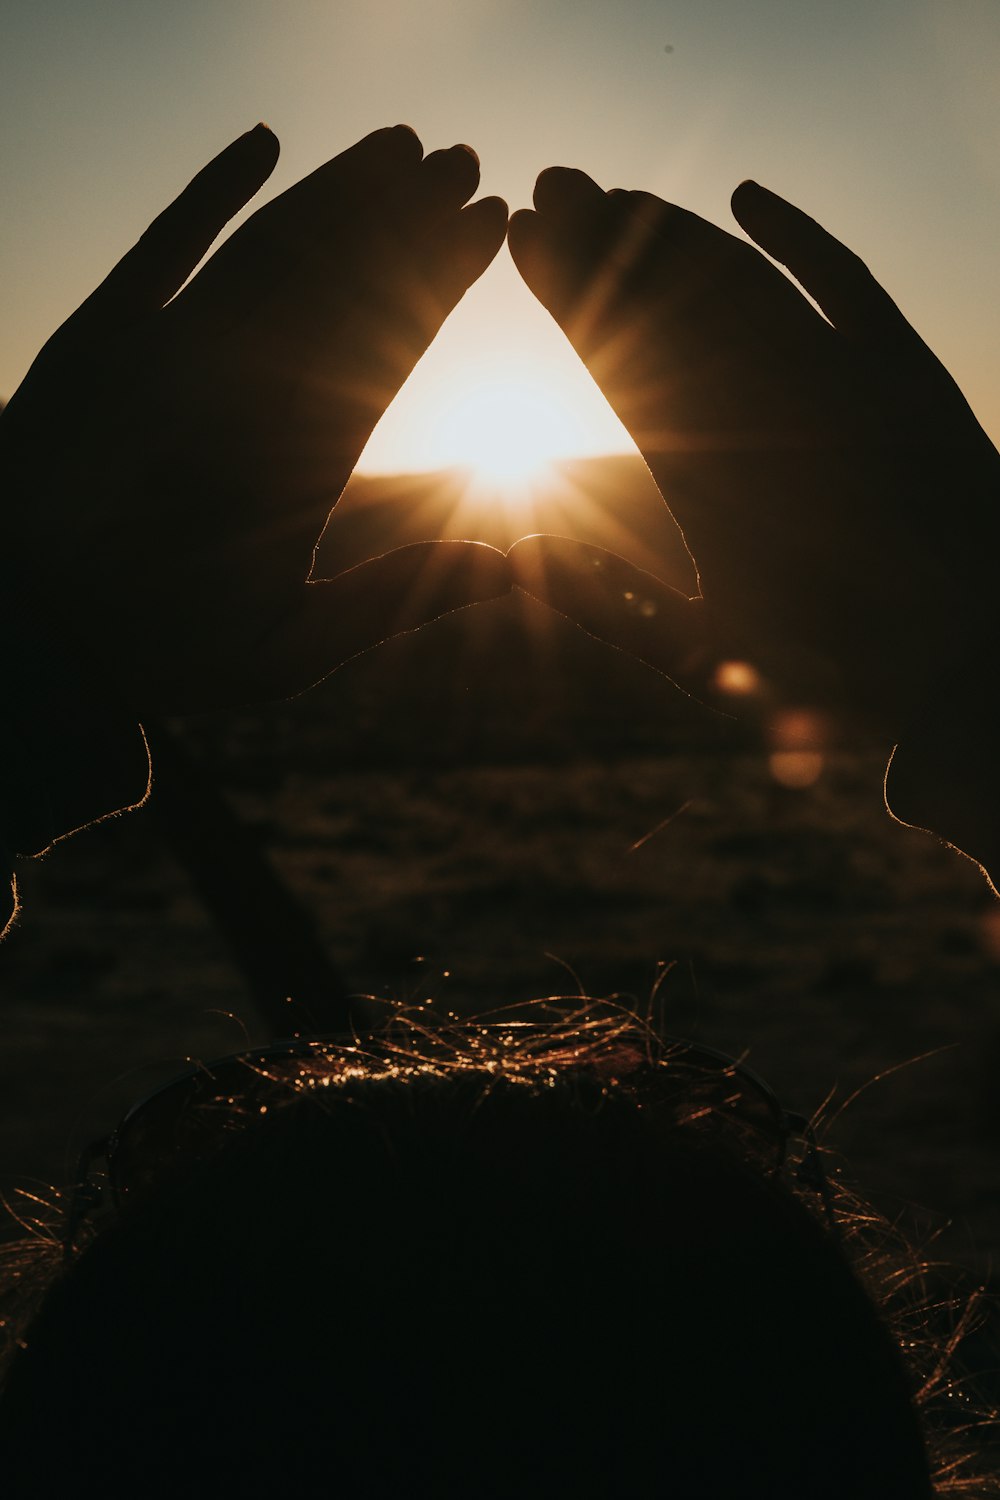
619,603
341,617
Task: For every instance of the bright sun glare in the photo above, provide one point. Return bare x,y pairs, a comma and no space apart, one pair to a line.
507,428
500,394
505,422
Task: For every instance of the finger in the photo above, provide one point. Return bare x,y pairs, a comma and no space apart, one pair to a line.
481,230
601,261
318,377
447,179
567,192
361,172
663,245
557,247
328,212
570,266
615,239
386,596
416,272
690,333
360,360
154,269
453,256
376,194
416,299
328,250
527,242
175,242
371,216
618,603
837,278
641,342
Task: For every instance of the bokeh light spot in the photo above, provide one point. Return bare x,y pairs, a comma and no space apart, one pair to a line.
738,678
799,729
796,768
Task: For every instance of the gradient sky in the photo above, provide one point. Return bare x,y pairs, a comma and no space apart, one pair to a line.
880,117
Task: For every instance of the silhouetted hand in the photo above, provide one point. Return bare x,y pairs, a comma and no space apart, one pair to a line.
168,465
839,498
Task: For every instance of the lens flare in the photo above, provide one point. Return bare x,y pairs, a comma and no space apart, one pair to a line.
740,679
796,768
799,737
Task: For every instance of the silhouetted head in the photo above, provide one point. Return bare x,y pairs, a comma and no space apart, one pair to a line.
465,1280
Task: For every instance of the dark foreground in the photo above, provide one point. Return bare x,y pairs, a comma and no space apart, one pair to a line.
462,830
499,809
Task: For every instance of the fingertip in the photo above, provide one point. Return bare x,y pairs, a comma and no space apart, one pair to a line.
259,143
482,227
523,217
522,231
750,199
547,185
393,145
454,172
230,179
265,143
489,215
566,190
529,239
406,141
745,202
492,209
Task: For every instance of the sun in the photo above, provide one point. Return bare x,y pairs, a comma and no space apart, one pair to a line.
500,431
504,421
507,428
500,394
502,402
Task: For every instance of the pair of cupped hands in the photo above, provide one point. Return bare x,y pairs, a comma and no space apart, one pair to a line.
174,453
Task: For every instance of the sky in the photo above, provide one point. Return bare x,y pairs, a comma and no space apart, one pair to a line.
880,117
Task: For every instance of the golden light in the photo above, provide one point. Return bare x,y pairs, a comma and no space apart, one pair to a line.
507,428
503,432
798,736
796,768
499,393
799,729
738,678
504,423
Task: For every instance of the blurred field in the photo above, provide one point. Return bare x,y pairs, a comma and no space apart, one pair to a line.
499,808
